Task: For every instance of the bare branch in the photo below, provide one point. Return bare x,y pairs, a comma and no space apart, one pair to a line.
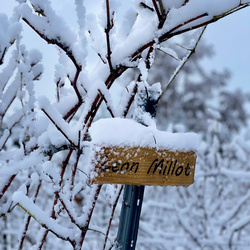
47,227
107,31
179,68
112,216
130,101
3,54
109,108
97,192
74,84
146,6
7,185
157,10
62,46
28,218
10,131
71,142
53,213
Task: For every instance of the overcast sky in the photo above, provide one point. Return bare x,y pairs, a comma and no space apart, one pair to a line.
230,37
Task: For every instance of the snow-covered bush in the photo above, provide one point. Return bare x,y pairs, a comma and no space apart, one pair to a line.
46,200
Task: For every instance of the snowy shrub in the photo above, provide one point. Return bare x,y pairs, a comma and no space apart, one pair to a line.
46,200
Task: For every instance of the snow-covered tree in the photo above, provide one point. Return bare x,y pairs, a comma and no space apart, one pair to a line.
46,199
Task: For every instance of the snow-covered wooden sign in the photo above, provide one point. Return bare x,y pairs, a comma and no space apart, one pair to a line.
125,152
143,166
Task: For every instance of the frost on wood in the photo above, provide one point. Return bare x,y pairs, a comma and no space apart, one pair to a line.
106,53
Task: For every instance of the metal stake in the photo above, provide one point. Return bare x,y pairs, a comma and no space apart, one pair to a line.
133,195
130,216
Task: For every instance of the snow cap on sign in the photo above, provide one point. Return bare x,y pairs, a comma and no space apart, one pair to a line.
120,132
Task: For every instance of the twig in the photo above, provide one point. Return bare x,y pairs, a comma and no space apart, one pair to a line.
53,213
130,101
107,104
10,131
185,2
29,218
157,10
181,222
163,15
62,46
74,172
84,231
46,227
73,220
112,216
71,142
7,185
167,35
74,84
98,100
2,57
107,31
192,51
146,6
72,111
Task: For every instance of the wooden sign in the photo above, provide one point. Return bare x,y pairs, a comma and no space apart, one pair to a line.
143,166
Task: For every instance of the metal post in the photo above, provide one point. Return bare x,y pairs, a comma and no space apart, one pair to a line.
130,216
133,195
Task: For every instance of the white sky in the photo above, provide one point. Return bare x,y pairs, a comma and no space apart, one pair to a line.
230,37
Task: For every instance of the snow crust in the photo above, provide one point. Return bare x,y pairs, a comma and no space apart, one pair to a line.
127,132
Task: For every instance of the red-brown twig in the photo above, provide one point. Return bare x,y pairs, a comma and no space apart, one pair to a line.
157,10
109,108
62,46
59,129
53,213
28,218
112,216
85,229
107,31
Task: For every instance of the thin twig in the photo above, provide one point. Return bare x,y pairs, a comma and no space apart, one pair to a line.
163,15
191,52
71,142
74,84
3,54
84,231
146,6
112,216
29,218
185,2
53,213
10,131
46,227
157,10
73,220
107,31
130,101
7,185
74,172
107,104
72,111
62,46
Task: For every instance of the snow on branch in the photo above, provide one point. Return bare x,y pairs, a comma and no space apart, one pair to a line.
51,28
183,61
43,218
59,122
